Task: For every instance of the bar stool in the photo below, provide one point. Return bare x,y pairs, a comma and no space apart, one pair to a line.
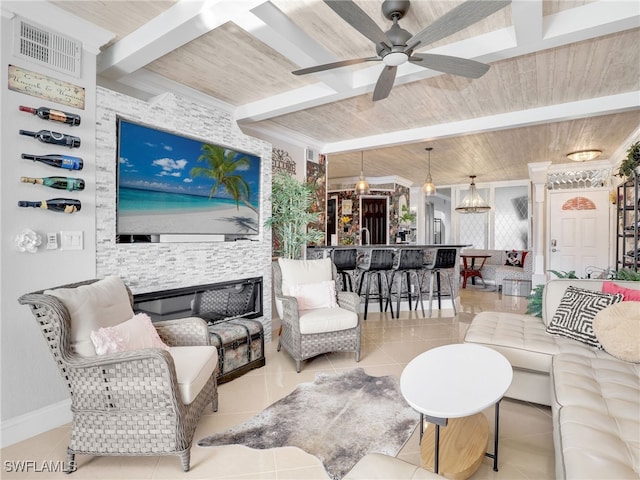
409,261
379,263
345,261
444,259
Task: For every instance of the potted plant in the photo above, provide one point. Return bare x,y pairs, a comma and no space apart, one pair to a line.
629,166
407,217
290,216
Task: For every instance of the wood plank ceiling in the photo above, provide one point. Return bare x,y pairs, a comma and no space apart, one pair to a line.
565,76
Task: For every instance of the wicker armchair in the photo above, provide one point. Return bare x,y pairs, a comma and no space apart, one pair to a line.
302,346
126,403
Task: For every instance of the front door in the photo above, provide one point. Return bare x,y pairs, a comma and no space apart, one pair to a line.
579,237
373,212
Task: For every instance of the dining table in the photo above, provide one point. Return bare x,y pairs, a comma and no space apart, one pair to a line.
470,269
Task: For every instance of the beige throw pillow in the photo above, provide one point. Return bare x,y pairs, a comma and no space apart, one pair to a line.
104,303
617,328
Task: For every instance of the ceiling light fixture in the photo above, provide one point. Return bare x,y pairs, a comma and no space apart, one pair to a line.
473,202
584,155
429,188
362,186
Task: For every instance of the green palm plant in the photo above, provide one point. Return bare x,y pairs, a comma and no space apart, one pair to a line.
290,216
221,168
534,307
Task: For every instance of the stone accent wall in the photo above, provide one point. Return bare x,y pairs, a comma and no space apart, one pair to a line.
148,267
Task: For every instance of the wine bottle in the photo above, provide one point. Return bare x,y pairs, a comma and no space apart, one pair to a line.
55,138
60,183
64,205
60,161
53,115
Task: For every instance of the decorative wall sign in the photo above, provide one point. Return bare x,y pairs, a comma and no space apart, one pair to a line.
281,161
347,206
42,86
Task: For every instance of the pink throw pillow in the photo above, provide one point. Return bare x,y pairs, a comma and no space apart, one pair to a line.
134,334
628,294
315,295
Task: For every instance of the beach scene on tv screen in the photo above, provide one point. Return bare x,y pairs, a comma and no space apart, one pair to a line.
171,184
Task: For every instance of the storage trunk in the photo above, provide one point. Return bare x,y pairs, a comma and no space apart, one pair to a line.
516,288
240,344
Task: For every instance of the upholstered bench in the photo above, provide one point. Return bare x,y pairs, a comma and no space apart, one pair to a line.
376,466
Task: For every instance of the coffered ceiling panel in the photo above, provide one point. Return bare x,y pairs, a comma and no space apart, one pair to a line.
230,65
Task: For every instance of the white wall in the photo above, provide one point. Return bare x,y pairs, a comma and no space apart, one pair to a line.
30,380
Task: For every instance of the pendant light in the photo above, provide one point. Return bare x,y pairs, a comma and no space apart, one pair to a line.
429,188
473,202
362,186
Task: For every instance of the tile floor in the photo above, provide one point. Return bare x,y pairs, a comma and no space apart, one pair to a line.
526,448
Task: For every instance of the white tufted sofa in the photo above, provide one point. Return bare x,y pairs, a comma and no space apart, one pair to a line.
595,398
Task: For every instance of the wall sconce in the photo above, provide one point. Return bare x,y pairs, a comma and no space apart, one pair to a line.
584,155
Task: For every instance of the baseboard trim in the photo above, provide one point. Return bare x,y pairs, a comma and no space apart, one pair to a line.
33,423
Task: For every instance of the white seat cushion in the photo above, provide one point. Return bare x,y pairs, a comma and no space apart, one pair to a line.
301,272
523,340
596,405
101,304
194,367
322,320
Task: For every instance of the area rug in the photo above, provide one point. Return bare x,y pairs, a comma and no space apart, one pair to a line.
338,418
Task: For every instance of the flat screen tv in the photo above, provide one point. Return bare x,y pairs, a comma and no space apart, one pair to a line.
175,185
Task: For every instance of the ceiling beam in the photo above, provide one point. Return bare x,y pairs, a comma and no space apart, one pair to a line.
173,28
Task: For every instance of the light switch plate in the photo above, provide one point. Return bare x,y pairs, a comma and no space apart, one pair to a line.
52,241
71,240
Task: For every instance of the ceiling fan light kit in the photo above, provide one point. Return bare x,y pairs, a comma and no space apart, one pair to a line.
429,188
584,155
395,46
473,202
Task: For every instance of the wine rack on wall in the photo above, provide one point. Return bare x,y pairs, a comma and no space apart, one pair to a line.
57,140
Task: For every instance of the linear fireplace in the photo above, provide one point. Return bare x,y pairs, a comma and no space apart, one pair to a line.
233,311
214,302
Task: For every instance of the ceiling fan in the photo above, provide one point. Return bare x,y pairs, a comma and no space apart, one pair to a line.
396,46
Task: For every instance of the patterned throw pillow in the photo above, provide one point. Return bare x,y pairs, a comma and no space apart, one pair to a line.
515,258
574,316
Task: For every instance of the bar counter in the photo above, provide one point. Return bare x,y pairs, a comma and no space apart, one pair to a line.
363,252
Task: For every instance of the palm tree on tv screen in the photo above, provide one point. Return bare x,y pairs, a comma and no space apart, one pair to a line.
221,168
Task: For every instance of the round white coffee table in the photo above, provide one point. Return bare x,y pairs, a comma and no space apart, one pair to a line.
457,382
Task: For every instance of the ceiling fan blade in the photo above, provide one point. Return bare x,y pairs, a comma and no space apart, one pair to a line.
329,66
385,83
447,64
461,17
358,19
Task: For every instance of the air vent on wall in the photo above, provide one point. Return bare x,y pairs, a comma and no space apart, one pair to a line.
46,47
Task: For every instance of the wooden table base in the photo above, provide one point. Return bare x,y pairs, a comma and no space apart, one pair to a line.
463,444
